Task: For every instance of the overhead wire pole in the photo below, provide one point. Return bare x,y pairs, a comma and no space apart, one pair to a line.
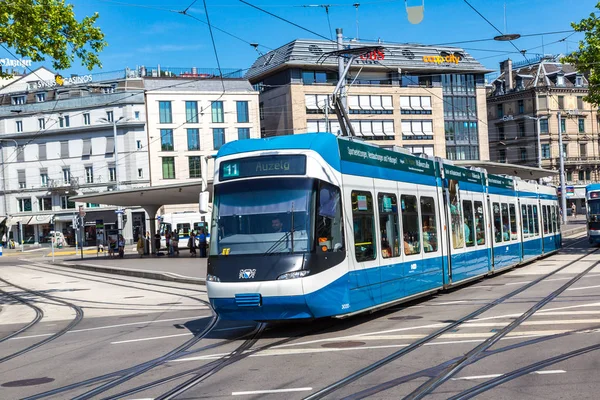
563,193
340,46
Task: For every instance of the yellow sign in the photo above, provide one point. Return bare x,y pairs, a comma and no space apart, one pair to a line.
59,80
452,58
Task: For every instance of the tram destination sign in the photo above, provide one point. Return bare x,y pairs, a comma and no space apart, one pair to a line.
292,164
500,182
463,174
360,153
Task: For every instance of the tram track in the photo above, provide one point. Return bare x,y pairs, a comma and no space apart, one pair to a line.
39,314
71,325
418,343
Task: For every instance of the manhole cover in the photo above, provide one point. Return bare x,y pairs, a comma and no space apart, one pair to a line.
405,317
28,382
343,345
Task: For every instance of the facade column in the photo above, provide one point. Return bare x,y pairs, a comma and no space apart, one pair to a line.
151,211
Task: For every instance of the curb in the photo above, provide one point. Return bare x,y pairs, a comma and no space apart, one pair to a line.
136,273
575,230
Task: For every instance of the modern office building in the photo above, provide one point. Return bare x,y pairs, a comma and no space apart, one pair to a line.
57,140
544,88
189,120
426,99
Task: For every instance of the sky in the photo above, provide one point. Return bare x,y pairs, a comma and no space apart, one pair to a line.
146,32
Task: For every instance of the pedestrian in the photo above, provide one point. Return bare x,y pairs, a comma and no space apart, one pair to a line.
121,244
4,240
175,243
157,242
147,243
573,210
168,241
140,246
202,241
192,244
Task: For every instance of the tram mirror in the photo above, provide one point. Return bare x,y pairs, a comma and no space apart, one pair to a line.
203,202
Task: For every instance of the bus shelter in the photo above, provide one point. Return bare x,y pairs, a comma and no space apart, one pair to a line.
149,198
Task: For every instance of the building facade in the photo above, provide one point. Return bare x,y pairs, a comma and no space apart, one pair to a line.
426,99
545,89
57,141
190,120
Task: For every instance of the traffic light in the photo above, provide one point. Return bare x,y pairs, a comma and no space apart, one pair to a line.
19,226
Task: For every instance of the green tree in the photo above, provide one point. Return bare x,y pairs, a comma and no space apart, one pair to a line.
38,29
587,57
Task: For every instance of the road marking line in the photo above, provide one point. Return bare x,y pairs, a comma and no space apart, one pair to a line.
542,312
553,322
304,389
110,326
586,287
550,371
152,338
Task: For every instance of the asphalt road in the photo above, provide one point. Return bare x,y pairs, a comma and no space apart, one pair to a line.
129,325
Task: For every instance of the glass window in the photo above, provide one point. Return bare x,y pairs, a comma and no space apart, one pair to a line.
545,219
581,125
410,225
563,125
545,151
557,219
543,126
67,121
263,216
66,203
364,226
24,205
479,223
218,116
242,111
535,220
513,222
86,119
243,133
89,174
388,223
330,224
45,203
429,224
191,112
525,221
218,138
530,219
193,139
165,115
456,216
110,116
168,166
112,174
505,223
195,167
497,223
166,140
468,223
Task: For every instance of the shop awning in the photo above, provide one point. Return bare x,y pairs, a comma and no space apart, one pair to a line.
64,217
40,219
23,219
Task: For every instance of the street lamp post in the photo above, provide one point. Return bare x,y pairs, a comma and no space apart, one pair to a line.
114,124
563,192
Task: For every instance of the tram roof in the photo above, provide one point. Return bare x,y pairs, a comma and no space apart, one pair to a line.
521,171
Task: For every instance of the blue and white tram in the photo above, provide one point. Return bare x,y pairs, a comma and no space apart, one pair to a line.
592,198
310,226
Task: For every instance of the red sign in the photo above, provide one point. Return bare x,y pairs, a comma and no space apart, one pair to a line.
373,55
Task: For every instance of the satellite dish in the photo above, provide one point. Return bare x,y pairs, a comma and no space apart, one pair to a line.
415,13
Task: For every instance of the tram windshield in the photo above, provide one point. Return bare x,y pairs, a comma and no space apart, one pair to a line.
594,207
265,216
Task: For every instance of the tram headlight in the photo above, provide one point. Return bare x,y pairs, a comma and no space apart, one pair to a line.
293,275
212,278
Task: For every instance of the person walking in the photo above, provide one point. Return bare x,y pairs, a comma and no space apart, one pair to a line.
175,243
121,244
140,246
157,242
573,210
192,244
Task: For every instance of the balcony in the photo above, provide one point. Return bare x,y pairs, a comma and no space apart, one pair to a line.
62,186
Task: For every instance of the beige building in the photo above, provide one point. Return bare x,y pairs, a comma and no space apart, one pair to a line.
426,99
187,121
545,89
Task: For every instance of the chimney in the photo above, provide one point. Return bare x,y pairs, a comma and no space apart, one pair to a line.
509,75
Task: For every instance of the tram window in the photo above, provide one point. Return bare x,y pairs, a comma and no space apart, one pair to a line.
364,226
524,221
513,222
468,223
497,224
456,220
530,215
183,229
410,225
428,218
388,223
164,228
545,218
479,223
330,230
505,223
557,220
552,220
536,226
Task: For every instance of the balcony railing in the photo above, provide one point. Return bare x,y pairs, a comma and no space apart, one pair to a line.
61,185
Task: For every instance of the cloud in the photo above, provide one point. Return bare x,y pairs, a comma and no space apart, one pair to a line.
169,48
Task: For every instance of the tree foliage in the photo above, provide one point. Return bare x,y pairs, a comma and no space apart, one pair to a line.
37,29
587,58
